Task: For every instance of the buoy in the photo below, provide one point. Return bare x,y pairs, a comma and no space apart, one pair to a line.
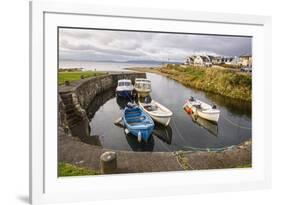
139,136
127,131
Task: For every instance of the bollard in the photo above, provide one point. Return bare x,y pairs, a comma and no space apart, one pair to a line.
108,162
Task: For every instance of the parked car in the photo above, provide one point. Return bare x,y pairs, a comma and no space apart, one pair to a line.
246,69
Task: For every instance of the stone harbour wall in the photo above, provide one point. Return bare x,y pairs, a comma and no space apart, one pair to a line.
75,98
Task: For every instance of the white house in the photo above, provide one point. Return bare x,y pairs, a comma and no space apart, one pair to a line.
200,60
236,61
246,60
189,60
217,60
227,60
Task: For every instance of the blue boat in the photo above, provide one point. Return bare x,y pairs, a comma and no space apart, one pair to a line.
124,88
137,122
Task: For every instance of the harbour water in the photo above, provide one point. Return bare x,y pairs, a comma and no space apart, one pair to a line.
184,132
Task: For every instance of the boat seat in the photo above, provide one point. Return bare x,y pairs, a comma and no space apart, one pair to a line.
136,118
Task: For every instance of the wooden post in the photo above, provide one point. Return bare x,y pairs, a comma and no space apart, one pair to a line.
108,162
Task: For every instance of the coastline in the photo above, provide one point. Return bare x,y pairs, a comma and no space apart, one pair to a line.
222,81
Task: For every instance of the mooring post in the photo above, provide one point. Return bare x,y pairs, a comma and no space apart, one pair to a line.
108,162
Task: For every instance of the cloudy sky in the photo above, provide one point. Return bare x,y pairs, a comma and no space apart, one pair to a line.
102,45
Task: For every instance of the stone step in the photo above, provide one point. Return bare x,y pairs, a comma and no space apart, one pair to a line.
67,101
73,121
69,111
72,115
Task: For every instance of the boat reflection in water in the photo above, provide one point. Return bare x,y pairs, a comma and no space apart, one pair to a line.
210,126
163,133
140,146
122,102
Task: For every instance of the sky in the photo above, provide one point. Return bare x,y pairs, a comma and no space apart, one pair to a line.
104,45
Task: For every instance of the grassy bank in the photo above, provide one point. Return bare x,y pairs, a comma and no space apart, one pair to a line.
220,81
76,75
66,169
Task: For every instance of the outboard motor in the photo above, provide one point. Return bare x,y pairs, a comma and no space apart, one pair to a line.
191,99
147,99
131,105
214,107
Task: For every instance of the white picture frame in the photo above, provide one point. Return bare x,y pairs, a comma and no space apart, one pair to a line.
46,187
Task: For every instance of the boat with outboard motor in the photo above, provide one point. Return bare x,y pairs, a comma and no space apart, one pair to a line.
158,112
124,88
142,86
202,109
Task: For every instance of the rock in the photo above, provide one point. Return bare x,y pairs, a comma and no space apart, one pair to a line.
108,162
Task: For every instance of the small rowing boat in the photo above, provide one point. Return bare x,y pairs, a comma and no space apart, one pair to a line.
137,122
202,109
157,112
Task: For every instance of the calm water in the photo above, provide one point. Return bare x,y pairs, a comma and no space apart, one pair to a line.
101,66
184,132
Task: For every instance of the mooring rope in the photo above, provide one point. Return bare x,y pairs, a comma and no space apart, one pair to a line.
186,148
235,124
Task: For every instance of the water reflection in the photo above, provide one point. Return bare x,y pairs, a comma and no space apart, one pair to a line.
98,101
163,133
184,132
211,127
140,146
238,107
122,102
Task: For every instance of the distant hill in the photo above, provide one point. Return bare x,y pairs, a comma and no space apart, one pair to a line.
153,62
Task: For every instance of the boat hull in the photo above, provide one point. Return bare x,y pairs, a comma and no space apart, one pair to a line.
142,93
163,118
138,123
145,132
211,115
124,93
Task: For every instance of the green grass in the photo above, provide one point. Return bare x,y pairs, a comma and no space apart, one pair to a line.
76,75
245,166
66,169
221,81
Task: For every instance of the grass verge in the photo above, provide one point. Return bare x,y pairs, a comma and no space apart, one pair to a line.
66,169
76,75
225,82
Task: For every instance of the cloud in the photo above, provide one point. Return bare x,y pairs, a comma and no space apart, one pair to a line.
97,45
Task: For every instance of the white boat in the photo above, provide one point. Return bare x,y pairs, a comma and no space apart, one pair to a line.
202,109
142,86
124,88
157,112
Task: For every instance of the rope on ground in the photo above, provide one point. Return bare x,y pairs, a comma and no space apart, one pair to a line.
206,149
235,124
